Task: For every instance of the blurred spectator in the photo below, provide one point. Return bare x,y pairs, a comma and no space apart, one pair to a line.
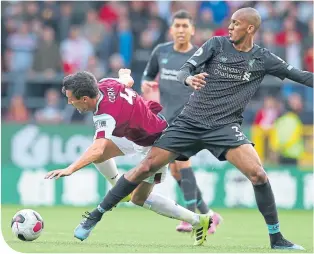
139,18
31,10
266,116
141,55
19,58
50,13
36,26
47,57
220,9
293,49
205,22
273,20
65,20
305,11
269,42
93,30
115,64
96,67
75,51
50,113
108,13
125,40
21,45
287,139
308,60
17,111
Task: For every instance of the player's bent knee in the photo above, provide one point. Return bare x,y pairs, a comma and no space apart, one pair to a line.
258,176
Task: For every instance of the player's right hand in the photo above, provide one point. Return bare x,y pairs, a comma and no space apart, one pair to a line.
197,81
148,85
58,173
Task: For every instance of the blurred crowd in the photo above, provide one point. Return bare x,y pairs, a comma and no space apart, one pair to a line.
43,41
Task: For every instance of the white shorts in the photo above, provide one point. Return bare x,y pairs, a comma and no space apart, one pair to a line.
130,148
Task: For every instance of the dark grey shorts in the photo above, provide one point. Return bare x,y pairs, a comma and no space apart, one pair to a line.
186,140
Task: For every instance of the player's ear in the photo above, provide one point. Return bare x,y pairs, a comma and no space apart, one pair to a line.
193,30
251,29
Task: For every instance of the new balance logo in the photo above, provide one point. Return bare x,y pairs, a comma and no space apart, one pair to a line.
246,76
223,59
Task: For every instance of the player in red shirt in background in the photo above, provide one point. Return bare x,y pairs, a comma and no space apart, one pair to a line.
125,123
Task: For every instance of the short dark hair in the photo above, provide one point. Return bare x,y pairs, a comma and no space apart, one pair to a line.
182,14
81,84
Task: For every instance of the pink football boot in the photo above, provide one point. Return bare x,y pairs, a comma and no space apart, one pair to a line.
216,220
184,227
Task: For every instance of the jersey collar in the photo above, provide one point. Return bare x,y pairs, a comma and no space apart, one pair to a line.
99,100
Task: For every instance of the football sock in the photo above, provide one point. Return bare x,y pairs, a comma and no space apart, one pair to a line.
109,170
201,206
266,204
188,187
122,189
170,209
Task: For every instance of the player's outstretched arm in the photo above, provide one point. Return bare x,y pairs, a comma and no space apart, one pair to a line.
275,66
93,153
125,77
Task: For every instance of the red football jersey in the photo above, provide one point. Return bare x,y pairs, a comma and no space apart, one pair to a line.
121,112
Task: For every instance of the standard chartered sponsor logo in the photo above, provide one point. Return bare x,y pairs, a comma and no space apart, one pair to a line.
31,148
228,72
168,74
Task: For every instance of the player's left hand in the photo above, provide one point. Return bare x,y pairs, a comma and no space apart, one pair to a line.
58,173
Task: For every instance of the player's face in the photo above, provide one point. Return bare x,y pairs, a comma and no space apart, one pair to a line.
80,104
181,31
239,28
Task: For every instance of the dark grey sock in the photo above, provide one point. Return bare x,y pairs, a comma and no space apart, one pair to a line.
188,187
266,202
267,206
122,188
201,206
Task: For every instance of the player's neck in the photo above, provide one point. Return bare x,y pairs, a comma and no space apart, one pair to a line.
183,48
244,46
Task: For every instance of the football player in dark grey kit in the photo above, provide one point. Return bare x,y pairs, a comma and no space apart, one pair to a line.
166,60
234,69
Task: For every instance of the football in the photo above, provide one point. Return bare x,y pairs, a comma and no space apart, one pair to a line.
27,225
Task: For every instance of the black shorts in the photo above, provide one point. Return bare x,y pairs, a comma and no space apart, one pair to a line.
186,140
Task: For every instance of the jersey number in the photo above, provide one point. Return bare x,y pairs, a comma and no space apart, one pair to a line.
129,95
238,133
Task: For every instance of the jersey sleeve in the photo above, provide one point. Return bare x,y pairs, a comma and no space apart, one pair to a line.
202,55
152,67
104,126
277,67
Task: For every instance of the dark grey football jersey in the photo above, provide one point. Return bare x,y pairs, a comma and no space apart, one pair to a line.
167,62
233,79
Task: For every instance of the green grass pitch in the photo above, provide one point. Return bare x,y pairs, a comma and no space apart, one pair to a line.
138,230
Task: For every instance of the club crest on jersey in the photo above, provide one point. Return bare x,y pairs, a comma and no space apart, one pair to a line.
100,124
251,62
164,61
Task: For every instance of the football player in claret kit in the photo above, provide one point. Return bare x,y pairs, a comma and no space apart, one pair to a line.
125,124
